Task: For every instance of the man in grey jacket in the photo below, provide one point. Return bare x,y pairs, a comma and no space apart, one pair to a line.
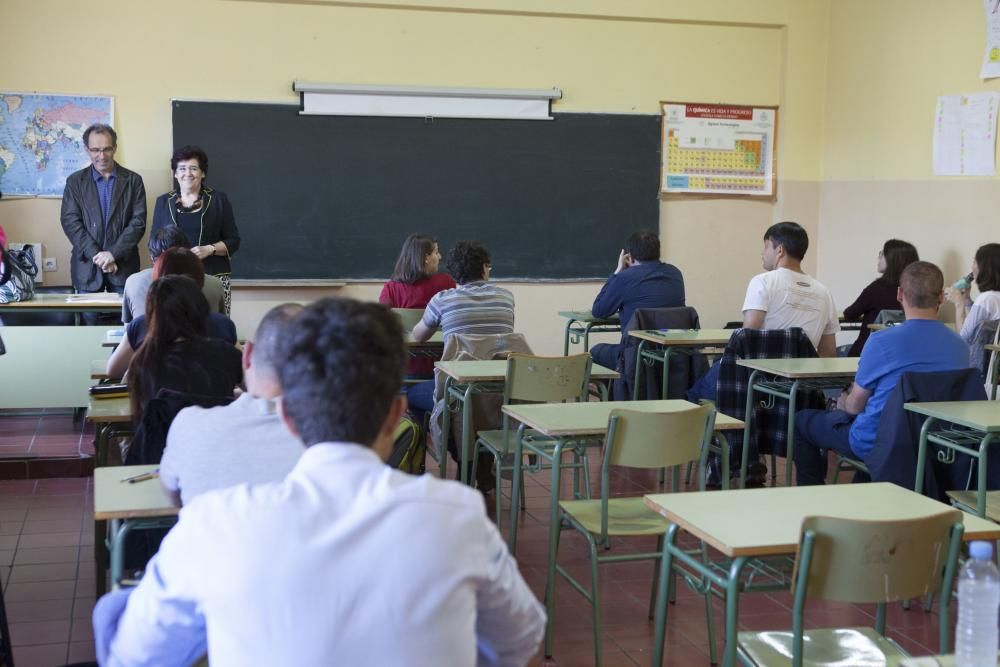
104,216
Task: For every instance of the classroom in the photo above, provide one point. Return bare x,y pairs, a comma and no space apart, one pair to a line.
855,82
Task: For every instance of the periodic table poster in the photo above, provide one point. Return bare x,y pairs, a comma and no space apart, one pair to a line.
718,149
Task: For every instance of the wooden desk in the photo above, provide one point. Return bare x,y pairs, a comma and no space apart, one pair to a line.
47,367
65,303
113,337
750,523
462,379
112,417
581,323
982,417
431,347
792,375
137,506
582,425
668,341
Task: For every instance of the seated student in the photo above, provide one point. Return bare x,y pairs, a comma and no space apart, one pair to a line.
244,441
137,284
970,315
641,280
880,294
415,279
174,261
920,344
474,307
327,566
783,297
177,352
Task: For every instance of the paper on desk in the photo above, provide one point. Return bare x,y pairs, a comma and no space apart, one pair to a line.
965,134
95,297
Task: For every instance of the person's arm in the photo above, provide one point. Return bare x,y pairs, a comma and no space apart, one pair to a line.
120,358
827,345
755,303
854,400
177,435
135,227
429,323
421,332
754,319
857,310
71,219
510,622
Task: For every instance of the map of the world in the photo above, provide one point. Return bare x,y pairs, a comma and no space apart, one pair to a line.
41,139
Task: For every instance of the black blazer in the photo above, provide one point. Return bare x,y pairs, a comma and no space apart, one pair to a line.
83,223
217,224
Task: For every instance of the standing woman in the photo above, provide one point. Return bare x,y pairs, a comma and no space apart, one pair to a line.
416,279
880,294
203,214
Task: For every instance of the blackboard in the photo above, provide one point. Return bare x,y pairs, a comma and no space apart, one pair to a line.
333,197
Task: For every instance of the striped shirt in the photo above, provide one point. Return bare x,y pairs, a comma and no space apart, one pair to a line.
473,308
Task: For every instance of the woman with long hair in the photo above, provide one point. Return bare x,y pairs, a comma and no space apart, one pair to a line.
416,279
880,294
969,314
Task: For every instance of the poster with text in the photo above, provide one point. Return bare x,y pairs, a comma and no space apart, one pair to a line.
965,129
718,149
991,60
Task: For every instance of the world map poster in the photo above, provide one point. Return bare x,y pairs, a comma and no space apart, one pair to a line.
41,139
718,149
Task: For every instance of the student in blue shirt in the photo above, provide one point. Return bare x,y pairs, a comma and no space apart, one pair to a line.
640,280
920,344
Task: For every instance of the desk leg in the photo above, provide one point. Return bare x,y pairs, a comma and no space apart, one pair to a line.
732,611
638,369
515,489
445,430
550,578
466,434
101,557
665,377
790,438
569,324
119,531
984,448
586,336
747,418
918,484
663,593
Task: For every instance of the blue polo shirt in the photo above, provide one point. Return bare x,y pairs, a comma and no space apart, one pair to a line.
919,346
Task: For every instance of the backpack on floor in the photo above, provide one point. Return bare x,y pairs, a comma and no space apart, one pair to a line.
409,449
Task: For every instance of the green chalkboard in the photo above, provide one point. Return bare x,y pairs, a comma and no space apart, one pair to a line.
333,197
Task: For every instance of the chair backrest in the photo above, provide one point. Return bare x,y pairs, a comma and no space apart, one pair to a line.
890,317
639,439
410,317
986,332
876,561
547,379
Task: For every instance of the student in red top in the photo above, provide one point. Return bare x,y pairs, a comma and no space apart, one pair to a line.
415,279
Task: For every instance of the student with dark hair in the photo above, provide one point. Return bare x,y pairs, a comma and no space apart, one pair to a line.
416,279
640,280
368,565
161,240
969,315
920,344
175,261
880,294
202,213
176,352
783,297
243,442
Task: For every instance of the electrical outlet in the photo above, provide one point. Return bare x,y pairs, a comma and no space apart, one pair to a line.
50,264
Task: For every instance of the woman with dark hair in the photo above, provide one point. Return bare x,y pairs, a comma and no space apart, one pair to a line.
970,314
880,294
177,352
415,279
203,214
174,261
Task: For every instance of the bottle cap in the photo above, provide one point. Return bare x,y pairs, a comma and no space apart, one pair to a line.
981,550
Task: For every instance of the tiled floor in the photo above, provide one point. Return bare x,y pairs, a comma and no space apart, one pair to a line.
47,568
44,435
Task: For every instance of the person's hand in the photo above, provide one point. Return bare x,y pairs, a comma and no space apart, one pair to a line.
842,400
203,251
959,297
103,259
624,261
110,268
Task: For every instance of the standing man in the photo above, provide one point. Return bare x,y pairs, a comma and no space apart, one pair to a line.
104,216
640,280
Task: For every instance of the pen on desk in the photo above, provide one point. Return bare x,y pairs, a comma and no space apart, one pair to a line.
153,474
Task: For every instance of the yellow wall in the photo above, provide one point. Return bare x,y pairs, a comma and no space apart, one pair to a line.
888,62
606,56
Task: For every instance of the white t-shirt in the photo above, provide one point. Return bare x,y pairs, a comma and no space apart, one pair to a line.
792,299
985,307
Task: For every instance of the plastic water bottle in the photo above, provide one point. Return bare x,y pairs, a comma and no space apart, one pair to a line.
976,634
963,283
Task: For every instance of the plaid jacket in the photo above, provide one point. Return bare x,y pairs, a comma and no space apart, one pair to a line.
769,426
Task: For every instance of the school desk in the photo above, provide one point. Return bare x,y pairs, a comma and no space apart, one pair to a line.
66,303
581,323
657,345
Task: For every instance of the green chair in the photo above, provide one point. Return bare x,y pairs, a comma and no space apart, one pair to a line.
409,317
532,379
845,464
861,562
649,440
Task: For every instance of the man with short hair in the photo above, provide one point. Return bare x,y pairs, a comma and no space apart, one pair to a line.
640,280
346,561
137,285
920,344
783,297
245,441
103,215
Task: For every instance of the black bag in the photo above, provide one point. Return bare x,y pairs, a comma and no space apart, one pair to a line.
20,285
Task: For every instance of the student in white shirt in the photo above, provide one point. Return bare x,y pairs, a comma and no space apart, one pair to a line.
969,314
345,562
783,297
